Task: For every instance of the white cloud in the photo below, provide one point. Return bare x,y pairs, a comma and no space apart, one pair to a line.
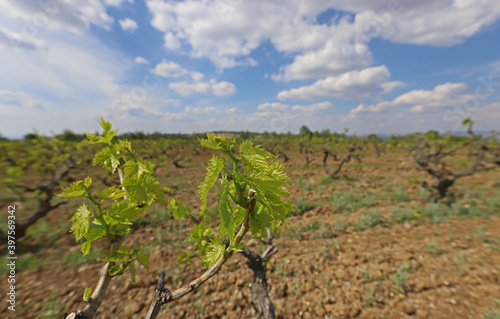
187,89
226,32
128,24
222,89
141,60
69,15
227,37
197,76
199,110
313,108
171,42
174,102
442,96
232,110
442,23
117,3
17,41
169,69
349,85
21,102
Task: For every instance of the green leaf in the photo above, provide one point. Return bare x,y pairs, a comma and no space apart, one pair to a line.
106,125
109,158
214,142
124,211
239,214
214,167
125,146
247,148
76,189
86,247
144,190
106,139
81,222
179,209
115,270
87,294
236,247
215,251
111,193
259,222
133,271
184,258
116,256
199,235
143,259
136,169
92,234
227,225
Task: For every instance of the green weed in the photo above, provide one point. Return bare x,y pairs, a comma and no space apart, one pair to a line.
369,297
51,309
369,219
302,206
399,280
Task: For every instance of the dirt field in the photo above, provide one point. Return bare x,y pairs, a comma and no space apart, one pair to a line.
342,255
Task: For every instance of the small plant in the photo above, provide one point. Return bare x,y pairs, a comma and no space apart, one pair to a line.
341,223
297,289
369,297
370,219
302,206
51,309
400,194
366,275
492,314
460,259
336,244
343,202
403,215
325,251
399,279
434,249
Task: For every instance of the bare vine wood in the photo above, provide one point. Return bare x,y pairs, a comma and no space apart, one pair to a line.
164,295
259,293
432,162
44,194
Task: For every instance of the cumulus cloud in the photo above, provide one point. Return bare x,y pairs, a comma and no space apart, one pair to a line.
70,15
171,42
117,3
128,24
170,69
221,89
349,85
17,41
226,32
232,110
201,110
442,96
174,102
141,60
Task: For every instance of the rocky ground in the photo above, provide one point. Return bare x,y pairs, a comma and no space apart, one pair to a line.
342,255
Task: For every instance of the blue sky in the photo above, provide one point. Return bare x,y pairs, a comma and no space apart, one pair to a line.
373,66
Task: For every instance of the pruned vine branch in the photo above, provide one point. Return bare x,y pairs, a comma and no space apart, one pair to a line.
164,296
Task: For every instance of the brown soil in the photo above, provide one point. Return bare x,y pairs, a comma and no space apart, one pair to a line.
451,268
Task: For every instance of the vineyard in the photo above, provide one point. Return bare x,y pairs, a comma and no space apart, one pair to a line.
247,225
